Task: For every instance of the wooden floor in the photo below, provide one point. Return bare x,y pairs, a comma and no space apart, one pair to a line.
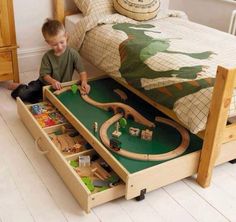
31,190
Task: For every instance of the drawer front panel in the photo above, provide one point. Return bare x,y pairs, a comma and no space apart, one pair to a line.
69,176
6,70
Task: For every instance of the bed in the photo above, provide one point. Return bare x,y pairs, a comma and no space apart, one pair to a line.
192,57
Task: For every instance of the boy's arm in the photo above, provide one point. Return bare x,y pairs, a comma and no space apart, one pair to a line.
55,84
84,82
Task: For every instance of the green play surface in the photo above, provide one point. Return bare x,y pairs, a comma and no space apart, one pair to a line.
165,137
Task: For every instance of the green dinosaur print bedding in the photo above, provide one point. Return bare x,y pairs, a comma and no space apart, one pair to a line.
171,60
138,47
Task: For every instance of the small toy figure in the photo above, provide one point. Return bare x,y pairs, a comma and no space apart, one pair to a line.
74,88
37,109
117,133
95,127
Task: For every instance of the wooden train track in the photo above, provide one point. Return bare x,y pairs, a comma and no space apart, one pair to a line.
129,111
147,157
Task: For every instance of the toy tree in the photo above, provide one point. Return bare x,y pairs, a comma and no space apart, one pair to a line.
123,122
74,88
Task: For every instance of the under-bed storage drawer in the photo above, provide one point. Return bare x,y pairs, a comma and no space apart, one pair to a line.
62,162
141,174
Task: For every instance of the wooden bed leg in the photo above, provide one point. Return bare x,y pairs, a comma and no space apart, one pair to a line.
59,11
222,93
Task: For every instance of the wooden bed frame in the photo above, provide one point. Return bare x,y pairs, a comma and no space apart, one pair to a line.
217,133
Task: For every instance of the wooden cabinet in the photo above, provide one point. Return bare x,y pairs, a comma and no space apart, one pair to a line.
8,47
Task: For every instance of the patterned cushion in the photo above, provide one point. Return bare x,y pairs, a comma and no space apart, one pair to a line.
88,7
137,9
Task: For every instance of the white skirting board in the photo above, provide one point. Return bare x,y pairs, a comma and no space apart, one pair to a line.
30,60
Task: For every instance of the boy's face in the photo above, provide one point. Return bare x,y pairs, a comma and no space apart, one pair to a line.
58,42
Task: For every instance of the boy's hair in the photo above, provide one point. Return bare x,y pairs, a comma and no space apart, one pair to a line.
52,27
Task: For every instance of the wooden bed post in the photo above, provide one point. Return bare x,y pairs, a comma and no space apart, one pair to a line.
59,10
216,124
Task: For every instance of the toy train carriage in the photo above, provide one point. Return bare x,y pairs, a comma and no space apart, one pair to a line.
115,144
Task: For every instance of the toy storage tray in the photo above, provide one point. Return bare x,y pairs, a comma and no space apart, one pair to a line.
44,128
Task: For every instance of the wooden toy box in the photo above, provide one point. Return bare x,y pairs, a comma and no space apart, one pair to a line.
146,177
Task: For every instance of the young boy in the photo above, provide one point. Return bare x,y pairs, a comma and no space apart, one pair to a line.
57,65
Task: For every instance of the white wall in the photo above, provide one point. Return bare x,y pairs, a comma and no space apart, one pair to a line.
164,4
213,13
29,17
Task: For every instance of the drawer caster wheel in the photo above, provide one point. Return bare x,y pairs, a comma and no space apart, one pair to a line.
233,161
141,196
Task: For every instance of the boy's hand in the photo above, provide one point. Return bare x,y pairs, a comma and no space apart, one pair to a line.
85,87
56,85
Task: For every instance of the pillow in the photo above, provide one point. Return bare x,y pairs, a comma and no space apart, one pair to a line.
88,7
137,9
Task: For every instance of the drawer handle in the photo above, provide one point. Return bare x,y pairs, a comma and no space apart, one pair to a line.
38,147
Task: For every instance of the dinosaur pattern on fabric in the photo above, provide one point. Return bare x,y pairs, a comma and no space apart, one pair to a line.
138,47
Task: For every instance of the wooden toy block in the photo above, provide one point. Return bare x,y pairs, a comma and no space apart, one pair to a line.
121,93
84,161
55,141
100,170
134,131
69,140
100,183
146,134
116,134
97,174
84,171
61,139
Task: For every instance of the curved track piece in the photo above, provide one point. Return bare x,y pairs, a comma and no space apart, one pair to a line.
147,157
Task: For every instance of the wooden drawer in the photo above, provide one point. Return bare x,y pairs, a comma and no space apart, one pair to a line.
6,66
138,177
61,163
148,175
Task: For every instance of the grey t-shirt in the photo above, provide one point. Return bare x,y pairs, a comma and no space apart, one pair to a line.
61,67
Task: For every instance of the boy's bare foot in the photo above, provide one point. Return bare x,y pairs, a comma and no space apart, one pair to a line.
13,85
